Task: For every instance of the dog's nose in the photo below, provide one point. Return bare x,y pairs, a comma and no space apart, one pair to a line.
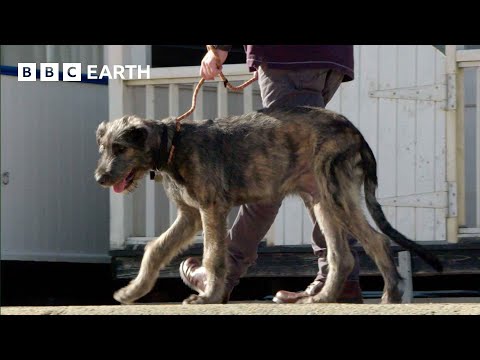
103,179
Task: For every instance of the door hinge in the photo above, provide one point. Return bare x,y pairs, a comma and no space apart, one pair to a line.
435,200
435,92
452,199
451,92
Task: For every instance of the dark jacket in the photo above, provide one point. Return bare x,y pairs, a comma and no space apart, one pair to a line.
300,56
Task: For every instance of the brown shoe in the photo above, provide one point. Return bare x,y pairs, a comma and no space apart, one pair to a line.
352,293
194,275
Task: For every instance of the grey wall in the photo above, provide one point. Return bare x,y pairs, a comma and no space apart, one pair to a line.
52,209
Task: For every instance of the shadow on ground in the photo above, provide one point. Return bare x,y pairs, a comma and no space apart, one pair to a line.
56,284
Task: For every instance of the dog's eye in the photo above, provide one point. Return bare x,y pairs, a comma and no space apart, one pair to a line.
118,149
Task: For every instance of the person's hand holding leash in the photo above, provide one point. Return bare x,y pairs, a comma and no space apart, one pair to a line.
211,65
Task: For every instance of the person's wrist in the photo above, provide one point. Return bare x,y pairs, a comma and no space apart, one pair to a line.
220,52
222,55
226,48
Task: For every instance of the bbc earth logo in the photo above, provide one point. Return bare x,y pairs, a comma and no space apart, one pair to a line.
73,72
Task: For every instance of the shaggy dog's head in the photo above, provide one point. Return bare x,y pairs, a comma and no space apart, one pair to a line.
125,154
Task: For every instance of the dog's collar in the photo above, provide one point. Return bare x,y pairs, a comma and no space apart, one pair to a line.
161,154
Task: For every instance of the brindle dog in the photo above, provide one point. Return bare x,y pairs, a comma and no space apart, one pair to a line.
314,153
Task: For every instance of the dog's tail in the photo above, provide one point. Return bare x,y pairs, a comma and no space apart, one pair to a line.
370,185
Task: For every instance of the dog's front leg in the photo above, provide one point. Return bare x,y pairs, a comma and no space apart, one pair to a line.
159,252
214,222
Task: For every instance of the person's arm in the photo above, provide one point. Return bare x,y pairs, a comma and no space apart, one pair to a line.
209,67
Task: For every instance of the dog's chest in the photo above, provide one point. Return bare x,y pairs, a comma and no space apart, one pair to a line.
178,192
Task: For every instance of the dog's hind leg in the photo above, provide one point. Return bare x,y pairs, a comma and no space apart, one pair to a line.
159,252
377,246
338,251
214,221
339,257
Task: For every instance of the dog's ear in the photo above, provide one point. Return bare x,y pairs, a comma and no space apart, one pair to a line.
136,136
126,119
101,130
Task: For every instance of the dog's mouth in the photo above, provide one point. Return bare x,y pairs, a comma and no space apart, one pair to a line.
125,183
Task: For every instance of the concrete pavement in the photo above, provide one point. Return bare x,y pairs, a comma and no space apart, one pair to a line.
468,307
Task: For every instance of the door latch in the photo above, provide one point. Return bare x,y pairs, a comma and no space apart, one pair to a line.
5,178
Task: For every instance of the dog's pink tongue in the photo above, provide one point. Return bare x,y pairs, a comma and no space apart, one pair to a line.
120,186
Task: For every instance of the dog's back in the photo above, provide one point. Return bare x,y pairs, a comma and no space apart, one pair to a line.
261,155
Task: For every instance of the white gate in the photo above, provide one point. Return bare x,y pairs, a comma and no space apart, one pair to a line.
398,100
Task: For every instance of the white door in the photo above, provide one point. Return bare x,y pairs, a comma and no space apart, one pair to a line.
398,101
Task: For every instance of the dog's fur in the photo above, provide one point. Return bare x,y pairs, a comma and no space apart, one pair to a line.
257,157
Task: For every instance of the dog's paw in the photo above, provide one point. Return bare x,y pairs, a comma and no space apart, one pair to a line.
125,295
305,300
198,299
194,299
395,298
322,298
